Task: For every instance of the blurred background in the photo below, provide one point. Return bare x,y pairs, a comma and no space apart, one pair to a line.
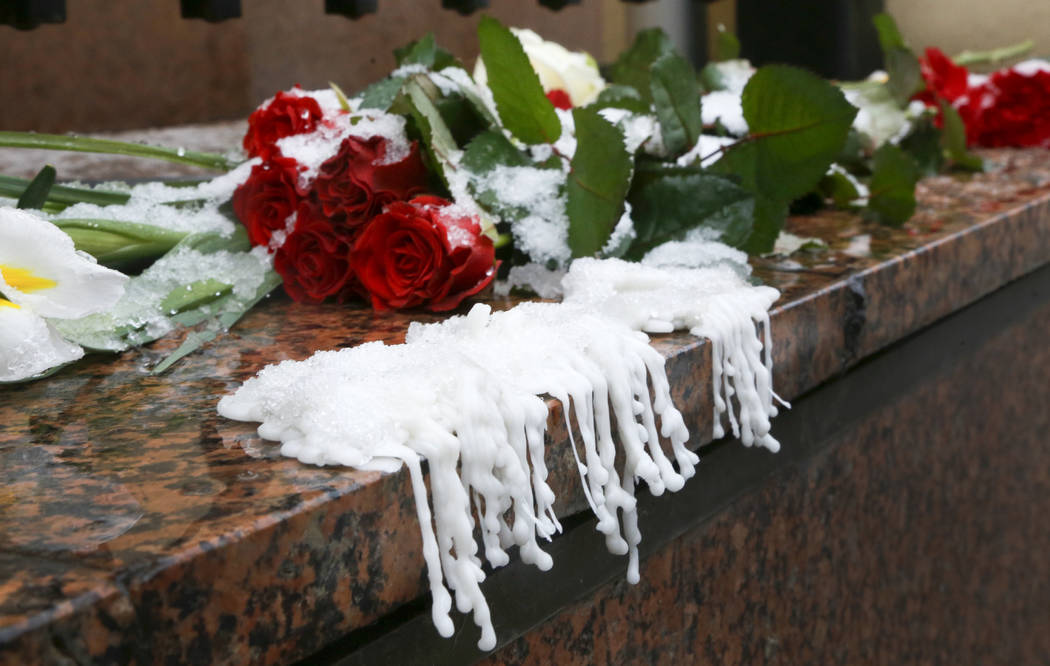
121,64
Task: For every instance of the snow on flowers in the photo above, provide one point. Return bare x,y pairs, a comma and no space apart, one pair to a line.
334,197
1009,108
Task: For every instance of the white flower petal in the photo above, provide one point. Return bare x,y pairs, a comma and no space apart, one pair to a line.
65,284
29,345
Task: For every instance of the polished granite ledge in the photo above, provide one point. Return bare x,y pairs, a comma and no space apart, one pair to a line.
138,524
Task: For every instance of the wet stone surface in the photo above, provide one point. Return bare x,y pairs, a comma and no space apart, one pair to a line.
131,509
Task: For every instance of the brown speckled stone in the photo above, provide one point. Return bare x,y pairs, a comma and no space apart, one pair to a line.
908,538
126,496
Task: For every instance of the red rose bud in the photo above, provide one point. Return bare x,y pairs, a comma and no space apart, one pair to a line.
314,260
560,99
284,115
264,202
1011,110
944,79
422,253
357,184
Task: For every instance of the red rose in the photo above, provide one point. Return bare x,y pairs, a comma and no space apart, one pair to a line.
1011,109
944,79
264,202
422,253
356,184
314,260
286,114
560,99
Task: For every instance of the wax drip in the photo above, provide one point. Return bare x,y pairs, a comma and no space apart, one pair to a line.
467,395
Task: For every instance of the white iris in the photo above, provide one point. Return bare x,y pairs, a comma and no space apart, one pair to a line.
43,275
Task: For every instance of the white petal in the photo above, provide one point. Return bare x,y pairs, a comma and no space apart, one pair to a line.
29,346
82,287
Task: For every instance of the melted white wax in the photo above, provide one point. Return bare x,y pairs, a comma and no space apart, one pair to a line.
467,394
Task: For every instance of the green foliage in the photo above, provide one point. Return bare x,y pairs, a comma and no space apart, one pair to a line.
381,94
799,124
666,202
61,196
344,103
621,97
953,140
36,192
489,150
676,99
119,244
727,46
194,295
836,186
522,105
425,51
923,143
632,68
439,145
899,61
600,174
892,188
486,152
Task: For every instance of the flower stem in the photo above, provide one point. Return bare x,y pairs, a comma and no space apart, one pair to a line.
63,195
92,145
994,56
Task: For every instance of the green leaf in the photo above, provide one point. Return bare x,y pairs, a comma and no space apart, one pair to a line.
489,150
522,105
727,46
889,35
461,117
344,103
231,309
769,220
923,143
905,75
194,295
620,97
438,141
35,194
668,202
632,67
486,152
837,187
210,242
799,124
599,175
892,186
901,64
953,139
118,244
90,145
381,94
420,52
677,102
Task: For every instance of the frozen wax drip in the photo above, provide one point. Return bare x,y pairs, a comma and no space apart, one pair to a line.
467,394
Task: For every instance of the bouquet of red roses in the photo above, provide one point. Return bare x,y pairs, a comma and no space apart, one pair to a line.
340,199
1009,108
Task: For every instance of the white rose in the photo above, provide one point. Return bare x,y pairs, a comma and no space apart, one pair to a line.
575,72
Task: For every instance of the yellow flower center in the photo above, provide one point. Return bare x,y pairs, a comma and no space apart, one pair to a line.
4,303
24,280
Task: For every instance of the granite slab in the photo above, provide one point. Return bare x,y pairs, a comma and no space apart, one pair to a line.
132,510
